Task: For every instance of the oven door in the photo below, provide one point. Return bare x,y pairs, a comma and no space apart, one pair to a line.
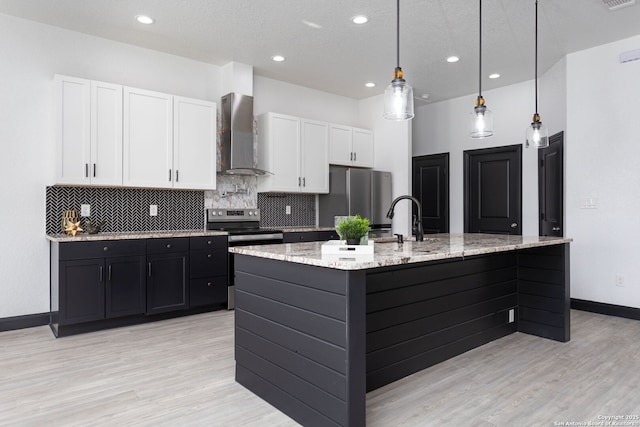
246,240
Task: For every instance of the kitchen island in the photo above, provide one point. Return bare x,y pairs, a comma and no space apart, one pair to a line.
315,332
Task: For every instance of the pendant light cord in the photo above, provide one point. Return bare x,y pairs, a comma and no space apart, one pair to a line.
480,53
536,61
398,33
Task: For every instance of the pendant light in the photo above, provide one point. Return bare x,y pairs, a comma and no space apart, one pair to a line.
398,97
537,134
481,117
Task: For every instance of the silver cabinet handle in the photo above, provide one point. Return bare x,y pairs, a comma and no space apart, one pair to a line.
149,269
514,225
304,182
355,156
351,155
208,255
94,170
168,245
177,176
556,228
298,181
86,170
101,272
169,174
109,273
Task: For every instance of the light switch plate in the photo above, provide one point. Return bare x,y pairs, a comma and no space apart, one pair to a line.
153,210
287,210
85,210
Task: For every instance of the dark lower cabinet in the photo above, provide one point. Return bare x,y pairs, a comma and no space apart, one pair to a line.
167,275
126,286
208,260
82,291
107,283
96,280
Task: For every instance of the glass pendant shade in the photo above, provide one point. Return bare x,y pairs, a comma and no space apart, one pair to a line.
537,134
398,101
481,122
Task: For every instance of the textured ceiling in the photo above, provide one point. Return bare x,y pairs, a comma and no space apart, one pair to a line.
340,57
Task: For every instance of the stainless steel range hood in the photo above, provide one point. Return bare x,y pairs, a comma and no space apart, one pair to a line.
236,148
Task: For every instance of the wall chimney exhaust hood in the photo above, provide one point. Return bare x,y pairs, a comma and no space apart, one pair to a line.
236,139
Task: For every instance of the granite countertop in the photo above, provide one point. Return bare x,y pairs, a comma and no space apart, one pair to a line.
84,237
434,247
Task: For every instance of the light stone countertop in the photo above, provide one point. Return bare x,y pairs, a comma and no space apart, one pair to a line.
434,247
85,237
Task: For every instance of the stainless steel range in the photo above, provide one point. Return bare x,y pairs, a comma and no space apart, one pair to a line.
243,226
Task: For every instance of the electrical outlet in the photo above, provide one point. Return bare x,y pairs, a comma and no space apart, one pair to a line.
620,280
512,316
85,210
153,210
287,210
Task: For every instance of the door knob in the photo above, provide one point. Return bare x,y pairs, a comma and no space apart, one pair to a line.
556,228
514,225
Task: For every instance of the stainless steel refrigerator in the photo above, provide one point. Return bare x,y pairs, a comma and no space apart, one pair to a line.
357,191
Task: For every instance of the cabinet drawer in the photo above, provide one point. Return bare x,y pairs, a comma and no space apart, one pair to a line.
101,249
327,235
161,246
208,290
301,236
208,242
206,263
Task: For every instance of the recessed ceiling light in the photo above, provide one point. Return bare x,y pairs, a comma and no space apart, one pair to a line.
370,84
278,58
494,76
144,19
453,58
359,19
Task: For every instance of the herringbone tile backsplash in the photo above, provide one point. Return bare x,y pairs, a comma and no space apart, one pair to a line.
127,209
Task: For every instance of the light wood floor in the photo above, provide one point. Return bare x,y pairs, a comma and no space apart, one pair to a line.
180,373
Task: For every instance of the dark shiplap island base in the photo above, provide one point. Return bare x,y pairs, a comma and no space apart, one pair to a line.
312,340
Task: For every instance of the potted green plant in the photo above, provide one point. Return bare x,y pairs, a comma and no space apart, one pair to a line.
353,229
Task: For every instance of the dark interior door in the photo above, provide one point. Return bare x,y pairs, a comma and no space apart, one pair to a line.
431,188
493,190
550,187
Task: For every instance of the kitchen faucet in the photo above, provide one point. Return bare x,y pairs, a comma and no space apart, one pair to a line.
417,222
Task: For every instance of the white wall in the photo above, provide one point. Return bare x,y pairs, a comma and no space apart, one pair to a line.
286,98
603,162
31,54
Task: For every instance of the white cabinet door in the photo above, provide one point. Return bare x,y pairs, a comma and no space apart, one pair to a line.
148,136
362,147
194,144
73,130
105,167
314,156
340,145
279,152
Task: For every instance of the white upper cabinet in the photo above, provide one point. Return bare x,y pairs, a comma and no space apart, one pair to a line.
296,151
106,134
194,144
148,139
110,135
351,146
314,157
88,132
362,146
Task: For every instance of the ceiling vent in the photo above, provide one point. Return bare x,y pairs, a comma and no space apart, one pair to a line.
630,55
618,4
